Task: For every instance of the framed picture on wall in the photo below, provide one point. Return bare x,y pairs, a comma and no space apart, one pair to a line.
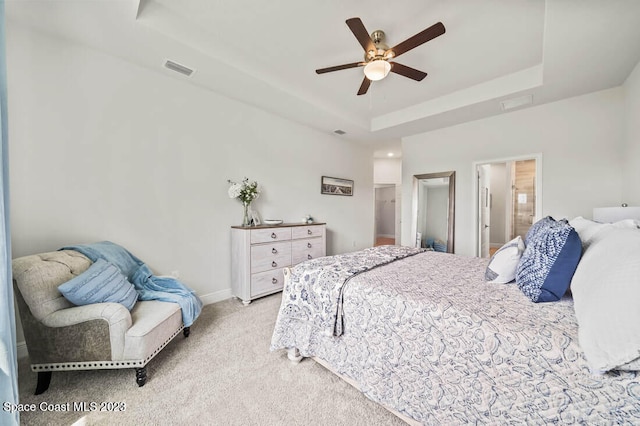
336,186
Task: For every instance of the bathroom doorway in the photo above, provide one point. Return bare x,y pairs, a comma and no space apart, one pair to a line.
508,193
386,197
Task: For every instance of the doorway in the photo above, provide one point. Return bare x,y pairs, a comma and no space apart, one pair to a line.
385,214
508,193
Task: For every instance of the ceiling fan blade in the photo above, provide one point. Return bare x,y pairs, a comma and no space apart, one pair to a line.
422,37
339,67
364,86
406,71
357,28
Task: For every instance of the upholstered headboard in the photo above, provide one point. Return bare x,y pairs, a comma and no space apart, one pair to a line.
614,214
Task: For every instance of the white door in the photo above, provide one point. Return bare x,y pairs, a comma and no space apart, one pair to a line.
484,209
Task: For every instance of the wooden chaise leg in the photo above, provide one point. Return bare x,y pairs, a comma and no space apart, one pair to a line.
186,331
141,376
44,379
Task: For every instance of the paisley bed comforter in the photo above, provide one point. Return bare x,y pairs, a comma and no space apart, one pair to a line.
428,337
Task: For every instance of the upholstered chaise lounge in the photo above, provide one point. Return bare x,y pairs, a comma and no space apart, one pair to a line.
61,336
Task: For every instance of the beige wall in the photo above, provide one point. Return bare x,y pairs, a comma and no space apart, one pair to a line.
105,150
387,171
580,140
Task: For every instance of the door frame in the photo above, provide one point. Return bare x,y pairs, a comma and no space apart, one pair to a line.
397,211
476,201
487,208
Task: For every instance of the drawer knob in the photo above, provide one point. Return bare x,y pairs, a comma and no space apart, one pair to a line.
274,251
274,281
308,245
274,264
309,257
309,231
273,235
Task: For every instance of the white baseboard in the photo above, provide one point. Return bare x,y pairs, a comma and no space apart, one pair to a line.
216,296
207,299
496,245
386,235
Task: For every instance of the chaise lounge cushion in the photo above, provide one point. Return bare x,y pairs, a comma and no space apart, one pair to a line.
154,325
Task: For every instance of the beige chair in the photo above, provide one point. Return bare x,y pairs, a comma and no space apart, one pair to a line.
61,336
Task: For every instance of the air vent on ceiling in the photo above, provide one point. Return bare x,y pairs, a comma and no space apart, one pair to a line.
339,132
174,66
516,102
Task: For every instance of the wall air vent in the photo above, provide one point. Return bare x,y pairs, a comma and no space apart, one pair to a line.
516,102
339,132
174,66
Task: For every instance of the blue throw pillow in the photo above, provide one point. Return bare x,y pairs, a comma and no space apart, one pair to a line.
549,261
102,282
439,245
538,228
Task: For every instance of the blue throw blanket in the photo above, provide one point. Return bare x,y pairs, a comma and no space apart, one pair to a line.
148,286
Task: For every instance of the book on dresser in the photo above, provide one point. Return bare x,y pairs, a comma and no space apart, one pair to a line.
259,254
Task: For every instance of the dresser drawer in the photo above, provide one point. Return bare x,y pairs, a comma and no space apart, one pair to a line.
266,282
270,234
265,257
259,255
306,249
307,231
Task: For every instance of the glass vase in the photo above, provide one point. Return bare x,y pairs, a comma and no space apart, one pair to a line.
245,220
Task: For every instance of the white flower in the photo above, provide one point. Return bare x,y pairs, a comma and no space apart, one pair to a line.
244,191
235,190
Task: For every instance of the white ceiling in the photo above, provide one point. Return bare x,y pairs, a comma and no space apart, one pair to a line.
265,53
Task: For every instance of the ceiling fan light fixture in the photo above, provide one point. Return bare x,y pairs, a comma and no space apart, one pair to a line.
377,69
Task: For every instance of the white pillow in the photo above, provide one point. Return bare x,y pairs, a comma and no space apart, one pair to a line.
587,229
503,264
606,294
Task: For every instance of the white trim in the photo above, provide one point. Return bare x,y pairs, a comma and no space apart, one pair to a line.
474,185
508,205
386,235
216,296
496,245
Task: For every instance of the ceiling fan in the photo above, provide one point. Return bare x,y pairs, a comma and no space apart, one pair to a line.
377,55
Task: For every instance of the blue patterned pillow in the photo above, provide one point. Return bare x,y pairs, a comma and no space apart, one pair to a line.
549,261
537,228
102,282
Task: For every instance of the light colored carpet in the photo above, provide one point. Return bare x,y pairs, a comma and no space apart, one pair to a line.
223,374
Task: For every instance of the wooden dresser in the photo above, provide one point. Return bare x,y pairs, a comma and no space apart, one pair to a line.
259,253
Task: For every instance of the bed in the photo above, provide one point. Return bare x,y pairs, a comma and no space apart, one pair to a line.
423,334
